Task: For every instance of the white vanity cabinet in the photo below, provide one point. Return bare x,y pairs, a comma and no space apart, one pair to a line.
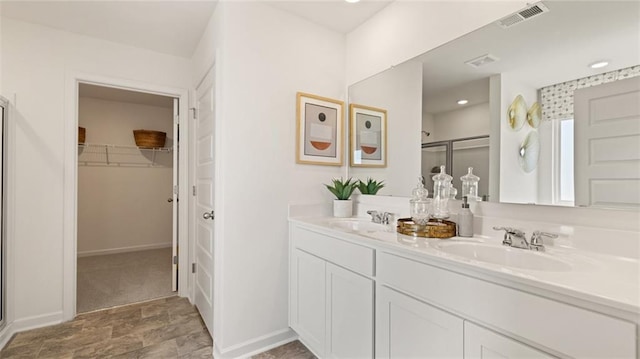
331,307
425,307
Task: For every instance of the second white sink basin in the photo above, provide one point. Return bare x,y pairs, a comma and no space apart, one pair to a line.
505,256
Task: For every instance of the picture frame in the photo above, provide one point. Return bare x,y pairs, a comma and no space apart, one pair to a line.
368,140
319,130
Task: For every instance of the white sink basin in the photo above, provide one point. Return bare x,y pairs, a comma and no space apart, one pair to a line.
505,256
356,225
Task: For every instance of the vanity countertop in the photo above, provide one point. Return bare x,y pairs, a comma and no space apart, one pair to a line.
604,280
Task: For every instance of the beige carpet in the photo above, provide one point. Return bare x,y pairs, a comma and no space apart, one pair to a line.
116,279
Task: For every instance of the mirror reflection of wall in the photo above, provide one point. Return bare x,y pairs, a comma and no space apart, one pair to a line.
552,50
398,91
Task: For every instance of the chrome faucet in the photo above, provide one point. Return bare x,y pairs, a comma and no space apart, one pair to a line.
517,238
513,237
536,240
380,217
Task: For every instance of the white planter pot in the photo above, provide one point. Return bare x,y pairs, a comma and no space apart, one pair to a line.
342,208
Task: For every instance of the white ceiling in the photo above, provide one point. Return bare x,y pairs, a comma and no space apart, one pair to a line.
120,95
337,15
170,27
550,48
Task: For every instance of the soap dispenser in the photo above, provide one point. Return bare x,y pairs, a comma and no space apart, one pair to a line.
441,193
465,220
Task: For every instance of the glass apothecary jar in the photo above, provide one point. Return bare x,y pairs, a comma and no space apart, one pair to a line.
441,193
470,185
420,204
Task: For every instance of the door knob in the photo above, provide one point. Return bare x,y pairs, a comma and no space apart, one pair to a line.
208,215
169,200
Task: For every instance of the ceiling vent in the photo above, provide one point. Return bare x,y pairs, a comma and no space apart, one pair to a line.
523,15
482,60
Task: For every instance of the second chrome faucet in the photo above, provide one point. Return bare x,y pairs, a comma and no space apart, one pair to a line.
517,238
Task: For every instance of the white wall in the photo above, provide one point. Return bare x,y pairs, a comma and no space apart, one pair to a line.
516,186
37,62
265,56
399,91
124,208
405,29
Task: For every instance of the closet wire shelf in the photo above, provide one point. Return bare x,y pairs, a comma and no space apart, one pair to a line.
90,154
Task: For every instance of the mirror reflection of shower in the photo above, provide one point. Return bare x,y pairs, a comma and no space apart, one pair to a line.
457,155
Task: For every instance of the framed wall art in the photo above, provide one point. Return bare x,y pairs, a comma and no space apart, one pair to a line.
368,136
319,130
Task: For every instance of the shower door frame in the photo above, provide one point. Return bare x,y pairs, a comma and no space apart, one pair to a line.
4,104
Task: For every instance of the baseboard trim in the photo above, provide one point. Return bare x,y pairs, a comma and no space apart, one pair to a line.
143,247
37,321
6,334
33,322
255,346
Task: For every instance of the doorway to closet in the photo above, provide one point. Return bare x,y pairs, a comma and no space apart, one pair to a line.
126,198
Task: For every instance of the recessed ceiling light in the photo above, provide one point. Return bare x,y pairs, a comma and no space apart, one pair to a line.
463,102
352,1
599,64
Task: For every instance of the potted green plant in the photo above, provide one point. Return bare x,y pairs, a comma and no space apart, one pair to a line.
370,187
342,189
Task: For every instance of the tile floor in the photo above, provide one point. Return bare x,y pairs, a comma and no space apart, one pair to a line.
164,328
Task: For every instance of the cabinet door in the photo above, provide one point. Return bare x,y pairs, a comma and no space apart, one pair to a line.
409,328
307,304
349,314
483,343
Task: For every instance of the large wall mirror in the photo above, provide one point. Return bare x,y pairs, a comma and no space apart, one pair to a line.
525,104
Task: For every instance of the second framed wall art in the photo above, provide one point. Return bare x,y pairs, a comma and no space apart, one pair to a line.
368,136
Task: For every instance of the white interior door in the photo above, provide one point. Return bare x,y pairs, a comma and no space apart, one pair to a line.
204,173
607,144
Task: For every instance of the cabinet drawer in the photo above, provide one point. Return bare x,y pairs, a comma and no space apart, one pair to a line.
567,329
349,255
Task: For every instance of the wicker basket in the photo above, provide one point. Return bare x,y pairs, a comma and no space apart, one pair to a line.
82,132
149,139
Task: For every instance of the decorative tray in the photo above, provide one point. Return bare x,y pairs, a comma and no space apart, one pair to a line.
435,228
